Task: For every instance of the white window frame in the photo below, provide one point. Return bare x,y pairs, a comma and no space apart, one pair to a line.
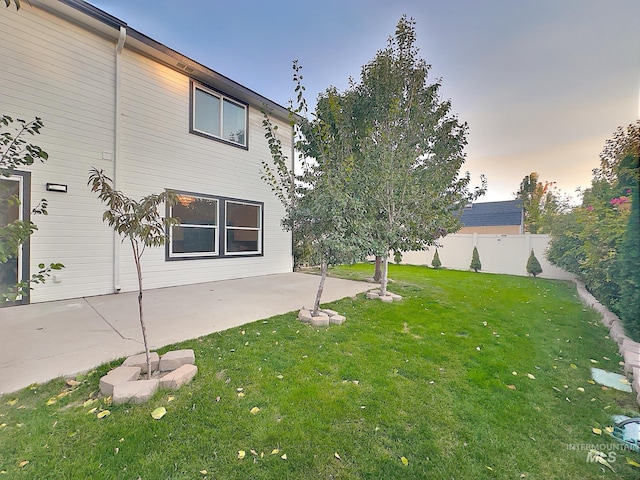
258,229
216,229
196,86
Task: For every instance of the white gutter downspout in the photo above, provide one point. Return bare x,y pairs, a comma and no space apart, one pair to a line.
116,152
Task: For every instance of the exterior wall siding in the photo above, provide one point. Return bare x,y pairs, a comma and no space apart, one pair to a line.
67,75
63,74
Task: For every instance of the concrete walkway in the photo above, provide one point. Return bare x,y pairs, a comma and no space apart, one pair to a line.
47,340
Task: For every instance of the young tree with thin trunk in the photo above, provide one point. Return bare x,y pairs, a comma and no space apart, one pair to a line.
140,222
318,202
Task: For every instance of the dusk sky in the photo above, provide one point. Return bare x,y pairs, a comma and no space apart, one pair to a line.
541,83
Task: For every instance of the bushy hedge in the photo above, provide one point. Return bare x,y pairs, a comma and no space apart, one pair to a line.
599,240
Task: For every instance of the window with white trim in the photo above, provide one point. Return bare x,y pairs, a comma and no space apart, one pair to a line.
197,234
214,227
243,226
217,116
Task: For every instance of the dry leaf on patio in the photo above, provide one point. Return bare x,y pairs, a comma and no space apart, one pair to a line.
104,413
158,413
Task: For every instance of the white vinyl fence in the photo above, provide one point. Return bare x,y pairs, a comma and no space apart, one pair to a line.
499,253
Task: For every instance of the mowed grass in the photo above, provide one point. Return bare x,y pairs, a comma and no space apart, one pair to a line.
426,379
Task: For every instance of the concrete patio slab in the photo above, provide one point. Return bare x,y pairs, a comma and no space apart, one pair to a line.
47,340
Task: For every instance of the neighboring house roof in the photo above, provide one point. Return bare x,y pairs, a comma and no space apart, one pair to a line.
492,214
100,21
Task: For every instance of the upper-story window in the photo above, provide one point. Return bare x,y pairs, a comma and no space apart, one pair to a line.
217,116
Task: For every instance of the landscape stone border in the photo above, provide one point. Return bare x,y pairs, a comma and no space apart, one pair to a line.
324,318
170,371
388,298
629,349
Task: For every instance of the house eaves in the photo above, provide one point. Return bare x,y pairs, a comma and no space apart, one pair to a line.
100,22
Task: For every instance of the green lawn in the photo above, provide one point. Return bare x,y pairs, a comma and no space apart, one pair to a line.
469,376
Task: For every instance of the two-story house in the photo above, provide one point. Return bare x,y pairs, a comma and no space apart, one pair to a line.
152,119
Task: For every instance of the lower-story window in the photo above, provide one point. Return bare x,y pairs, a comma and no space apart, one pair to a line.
214,227
243,228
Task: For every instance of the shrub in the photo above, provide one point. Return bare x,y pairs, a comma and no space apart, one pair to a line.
436,263
533,265
397,257
475,260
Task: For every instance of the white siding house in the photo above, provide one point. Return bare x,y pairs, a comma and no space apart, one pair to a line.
152,119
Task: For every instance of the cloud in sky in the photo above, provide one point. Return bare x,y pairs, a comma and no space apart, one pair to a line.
541,83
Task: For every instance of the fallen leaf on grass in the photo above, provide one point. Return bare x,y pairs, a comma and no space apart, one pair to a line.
23,463
241,394
597,431
632,463
2,425
203,472
609,429
241,454
404,461
158,413
283,456
511,387
593,361
514,373
171,398
275,451
11,403
573,365
89,402
254,410
104,413
531,376
592,382
92,411
51,401
280,377
602,461
338,456
580,389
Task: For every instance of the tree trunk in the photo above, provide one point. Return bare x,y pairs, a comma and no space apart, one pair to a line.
385,276
377,274
140,312
323,276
